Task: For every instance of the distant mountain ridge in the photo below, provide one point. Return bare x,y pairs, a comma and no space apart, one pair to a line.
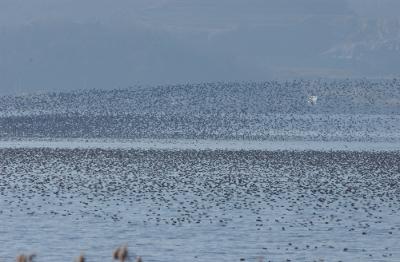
198,41
373,35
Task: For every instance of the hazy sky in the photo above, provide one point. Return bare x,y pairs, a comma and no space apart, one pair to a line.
71,44
17,12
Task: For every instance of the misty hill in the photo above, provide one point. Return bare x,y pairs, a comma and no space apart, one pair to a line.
67,46
345,110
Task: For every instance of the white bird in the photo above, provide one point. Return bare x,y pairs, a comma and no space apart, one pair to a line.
312,100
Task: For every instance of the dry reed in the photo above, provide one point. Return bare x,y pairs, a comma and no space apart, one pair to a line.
25,258
120,254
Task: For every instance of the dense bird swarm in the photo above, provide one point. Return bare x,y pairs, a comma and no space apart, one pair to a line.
346,110
199,204
300,204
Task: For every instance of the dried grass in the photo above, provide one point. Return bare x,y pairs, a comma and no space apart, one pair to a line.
120,253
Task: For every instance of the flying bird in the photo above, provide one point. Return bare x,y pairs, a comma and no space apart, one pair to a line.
312,100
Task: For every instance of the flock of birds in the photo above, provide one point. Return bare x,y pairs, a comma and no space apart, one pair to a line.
297,201
346,110
339,193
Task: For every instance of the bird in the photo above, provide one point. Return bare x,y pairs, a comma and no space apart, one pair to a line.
312,100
